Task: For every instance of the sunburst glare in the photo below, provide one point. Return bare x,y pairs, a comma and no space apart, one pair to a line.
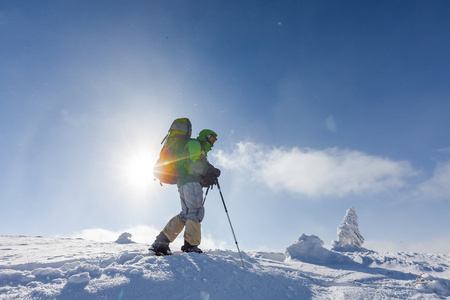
138,171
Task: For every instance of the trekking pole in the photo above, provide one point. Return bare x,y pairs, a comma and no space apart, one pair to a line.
206,194
232,230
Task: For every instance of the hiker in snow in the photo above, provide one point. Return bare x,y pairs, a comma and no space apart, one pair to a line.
195,173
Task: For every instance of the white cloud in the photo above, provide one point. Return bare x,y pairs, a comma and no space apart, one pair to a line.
384,245
439,185
330,124
144,235
140,234
444,150
315,173
438,245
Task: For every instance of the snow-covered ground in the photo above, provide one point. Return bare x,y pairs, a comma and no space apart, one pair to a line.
62,268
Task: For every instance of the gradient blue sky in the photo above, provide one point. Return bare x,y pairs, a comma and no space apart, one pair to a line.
319,106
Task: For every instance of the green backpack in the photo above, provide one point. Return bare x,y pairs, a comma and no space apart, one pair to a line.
166,169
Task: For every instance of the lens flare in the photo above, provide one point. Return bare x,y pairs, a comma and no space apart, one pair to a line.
139,171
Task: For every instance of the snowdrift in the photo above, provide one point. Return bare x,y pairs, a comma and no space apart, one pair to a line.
310,249
60,268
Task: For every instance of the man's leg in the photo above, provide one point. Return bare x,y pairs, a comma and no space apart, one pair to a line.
193,232
173,228
167,236
192,199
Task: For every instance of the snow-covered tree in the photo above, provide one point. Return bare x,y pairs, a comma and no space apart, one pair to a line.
348,232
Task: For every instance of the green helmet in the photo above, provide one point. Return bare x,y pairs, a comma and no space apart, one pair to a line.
209,137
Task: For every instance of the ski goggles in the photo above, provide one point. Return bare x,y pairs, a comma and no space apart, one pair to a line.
211,139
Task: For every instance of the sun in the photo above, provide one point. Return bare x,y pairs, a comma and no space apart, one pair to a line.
139,171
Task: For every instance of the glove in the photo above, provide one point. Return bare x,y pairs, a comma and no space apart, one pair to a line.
215,172
212,173
210,178
207,181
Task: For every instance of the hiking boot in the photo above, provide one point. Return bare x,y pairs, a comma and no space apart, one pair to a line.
187,248
161,245
160,249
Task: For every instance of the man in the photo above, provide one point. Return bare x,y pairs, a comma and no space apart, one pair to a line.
195,173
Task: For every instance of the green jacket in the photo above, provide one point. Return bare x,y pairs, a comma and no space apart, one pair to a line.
194,164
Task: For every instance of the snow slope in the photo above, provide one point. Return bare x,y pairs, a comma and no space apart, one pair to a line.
61,268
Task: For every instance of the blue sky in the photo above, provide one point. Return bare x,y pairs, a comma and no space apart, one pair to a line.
319,106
